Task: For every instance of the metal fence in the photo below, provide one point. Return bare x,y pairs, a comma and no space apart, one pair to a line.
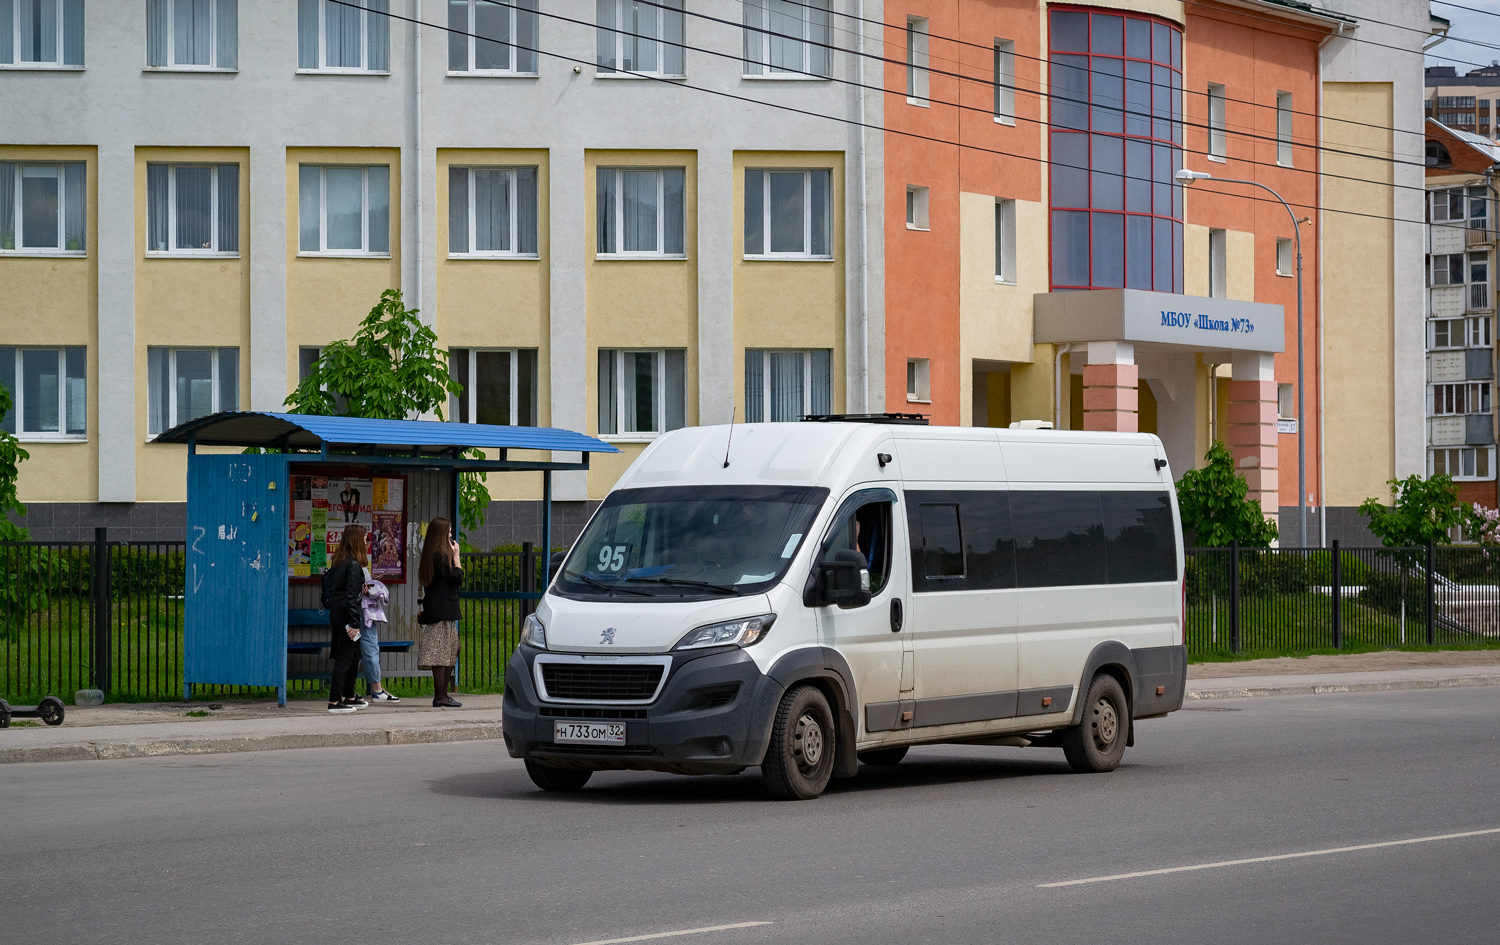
1295,600
91,615
109,615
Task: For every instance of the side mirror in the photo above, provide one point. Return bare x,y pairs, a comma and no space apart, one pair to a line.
843,580
554,563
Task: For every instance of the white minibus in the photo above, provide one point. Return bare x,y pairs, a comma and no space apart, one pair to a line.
806,597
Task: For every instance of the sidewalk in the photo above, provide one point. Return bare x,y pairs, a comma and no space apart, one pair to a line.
136,730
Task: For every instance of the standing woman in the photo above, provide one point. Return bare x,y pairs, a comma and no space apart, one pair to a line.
343,584
441,577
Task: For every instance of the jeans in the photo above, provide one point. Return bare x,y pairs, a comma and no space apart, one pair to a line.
369,651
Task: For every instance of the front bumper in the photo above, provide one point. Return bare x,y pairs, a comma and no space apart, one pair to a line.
713,715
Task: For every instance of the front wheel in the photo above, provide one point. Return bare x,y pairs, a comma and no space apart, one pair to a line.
1098,742
799,761
549,778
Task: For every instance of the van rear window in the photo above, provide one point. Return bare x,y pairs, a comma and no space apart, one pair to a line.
1039,539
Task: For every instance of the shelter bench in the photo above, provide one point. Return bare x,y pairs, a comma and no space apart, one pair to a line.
318,620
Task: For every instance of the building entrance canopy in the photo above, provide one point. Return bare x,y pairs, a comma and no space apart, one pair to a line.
1135,315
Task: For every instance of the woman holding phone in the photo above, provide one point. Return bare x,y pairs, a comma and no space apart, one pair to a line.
441,577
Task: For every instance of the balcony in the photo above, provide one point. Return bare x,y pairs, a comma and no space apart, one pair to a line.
1472,429
1479,297
1478,236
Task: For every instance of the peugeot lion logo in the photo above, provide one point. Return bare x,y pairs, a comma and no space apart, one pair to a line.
607,635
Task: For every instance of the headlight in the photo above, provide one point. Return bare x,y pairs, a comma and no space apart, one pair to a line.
533,633
742,632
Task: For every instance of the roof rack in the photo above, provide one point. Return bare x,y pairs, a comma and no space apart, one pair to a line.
913,419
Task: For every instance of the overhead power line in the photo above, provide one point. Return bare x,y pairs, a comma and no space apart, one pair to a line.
719,93
1302,143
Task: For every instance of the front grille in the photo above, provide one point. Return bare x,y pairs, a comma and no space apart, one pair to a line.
598,749
610,713
578,682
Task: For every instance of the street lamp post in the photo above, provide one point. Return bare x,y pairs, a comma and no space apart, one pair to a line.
1188,177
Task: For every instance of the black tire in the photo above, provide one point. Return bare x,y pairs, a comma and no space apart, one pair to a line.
1098,742
51,710
549,778
883,757
799,761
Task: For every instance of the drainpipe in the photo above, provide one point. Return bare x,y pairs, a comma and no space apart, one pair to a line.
1057,385
1213,402
417,107
864,228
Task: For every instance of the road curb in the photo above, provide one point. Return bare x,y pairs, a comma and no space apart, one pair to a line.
1452,682
103,750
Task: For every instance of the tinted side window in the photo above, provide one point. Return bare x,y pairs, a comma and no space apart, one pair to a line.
1059,538
1141,541
983,527
941,541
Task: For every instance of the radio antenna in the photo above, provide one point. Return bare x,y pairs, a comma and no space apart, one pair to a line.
730,441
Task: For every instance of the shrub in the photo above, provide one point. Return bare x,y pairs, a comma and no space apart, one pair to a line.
1266,573
1386,590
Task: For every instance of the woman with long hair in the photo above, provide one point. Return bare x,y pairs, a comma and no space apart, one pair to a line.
441,576
343,583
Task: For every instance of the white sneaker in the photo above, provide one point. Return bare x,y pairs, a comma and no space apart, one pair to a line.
340,708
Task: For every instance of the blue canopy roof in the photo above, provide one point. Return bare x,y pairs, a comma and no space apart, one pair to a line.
421,437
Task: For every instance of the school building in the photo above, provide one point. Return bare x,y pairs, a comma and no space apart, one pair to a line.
623,217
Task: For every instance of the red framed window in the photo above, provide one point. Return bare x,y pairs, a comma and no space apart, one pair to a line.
1116,144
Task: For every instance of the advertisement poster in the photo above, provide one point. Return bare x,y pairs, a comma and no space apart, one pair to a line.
324,505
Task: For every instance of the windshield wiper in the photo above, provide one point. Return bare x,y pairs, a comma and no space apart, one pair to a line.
607,588
683,582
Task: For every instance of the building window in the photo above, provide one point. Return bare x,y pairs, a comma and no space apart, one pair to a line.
1479,281
348,36
916,208
499,386
42,208
1286,257
788,214
1447,269
1005,241
193,209
1005,81
786,38
492,211
1470,463
1218,127
1473,332
192,34
916,61
1460,398
41,34
188,383
641,392
345,211
51,400
1284,129
638,37
787,385
919,380
1218,264
492,38
641,211
1116,145
1285,402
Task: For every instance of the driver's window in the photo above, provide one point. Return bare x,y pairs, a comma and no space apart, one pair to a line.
867,530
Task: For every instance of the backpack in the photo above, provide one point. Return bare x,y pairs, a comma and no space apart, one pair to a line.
326,598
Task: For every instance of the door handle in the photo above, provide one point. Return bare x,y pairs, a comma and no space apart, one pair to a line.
896,615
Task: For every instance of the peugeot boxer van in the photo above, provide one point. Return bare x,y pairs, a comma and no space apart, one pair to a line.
806,597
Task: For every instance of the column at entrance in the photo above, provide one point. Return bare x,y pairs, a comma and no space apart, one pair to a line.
1252,427
1111,394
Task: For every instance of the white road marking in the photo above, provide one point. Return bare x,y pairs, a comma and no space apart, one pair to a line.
1267,859
706,928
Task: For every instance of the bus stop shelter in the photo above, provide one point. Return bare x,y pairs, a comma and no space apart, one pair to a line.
261,526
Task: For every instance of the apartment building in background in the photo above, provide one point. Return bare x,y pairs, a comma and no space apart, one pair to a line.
1465,102
1461,310
622,218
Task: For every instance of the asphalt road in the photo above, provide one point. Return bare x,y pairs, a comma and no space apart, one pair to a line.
439,844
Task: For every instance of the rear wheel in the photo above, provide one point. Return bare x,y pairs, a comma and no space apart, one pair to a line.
883,757
549,778
799,761
1098,742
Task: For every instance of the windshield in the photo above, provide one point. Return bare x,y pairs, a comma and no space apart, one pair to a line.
690,541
